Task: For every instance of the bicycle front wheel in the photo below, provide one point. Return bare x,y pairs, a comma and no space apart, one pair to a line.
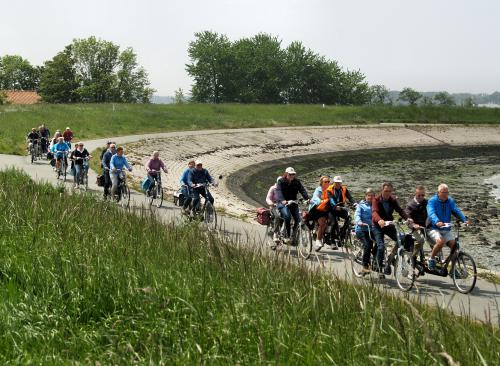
125,196
464,273
210,216
159,196
404,270
355,254
304,242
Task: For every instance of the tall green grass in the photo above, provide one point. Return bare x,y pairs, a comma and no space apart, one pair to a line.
82,281
103,120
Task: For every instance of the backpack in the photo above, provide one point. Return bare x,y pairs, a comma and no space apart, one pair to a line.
179,198
146,183
100,181
263,216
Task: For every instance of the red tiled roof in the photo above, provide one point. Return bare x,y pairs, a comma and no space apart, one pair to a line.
22,97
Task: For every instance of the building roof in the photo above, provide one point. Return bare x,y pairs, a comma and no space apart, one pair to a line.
22,97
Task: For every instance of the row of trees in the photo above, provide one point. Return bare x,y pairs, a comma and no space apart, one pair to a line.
87,70
260,70
413,97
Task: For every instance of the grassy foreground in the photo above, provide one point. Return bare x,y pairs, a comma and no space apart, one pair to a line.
101,120
81,281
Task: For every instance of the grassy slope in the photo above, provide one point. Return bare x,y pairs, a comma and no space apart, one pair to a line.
81,281
91,121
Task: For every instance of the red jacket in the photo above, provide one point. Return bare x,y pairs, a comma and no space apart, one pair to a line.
68,135
379,213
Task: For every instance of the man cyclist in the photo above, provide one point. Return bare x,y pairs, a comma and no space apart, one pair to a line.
153,166
338,194
383,206
60,150
287,189
318,210
199,175
185,188
439,210
116,164
105,161
272,200
80,154
416,209
68,136
33,138
45,136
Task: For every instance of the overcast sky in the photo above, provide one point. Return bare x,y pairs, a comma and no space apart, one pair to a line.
430,45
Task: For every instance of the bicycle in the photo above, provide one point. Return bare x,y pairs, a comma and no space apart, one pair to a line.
463,268
34,150
334,236
155,192
83,179
300,238
122,195
207,212
62,171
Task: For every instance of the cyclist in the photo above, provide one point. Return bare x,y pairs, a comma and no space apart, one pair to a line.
106,149
338,194
364,225
185,189
153,166
416,209
105,161
116,164
68,136
33,137
272,201
383,206
439,209
199,175
45,135
60,150
287,189
79,155
55,139
318,209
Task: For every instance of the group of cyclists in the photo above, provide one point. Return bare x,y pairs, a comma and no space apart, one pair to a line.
427,219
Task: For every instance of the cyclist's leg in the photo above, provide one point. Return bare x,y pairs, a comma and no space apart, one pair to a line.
196,198
419,242
285,214
379,238
392,233
78,173
364,237
187,197
294,210
107,182
114,183
210,197
277,220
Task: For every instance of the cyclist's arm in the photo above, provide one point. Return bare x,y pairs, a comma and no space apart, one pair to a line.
279,191
303,191
399,210
357,214
431,212
349,196
209,177
331,198
190,179
456,211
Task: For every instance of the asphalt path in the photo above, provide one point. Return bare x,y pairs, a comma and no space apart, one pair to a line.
482,304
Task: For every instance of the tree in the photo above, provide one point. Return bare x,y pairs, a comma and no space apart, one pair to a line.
133,83
17,73
3,97
427,101
379,95
179,96
469,102
444,98
58,81
410,96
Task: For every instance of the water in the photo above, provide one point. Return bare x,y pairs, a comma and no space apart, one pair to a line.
495,180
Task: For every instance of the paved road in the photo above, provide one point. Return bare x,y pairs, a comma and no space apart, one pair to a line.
482,304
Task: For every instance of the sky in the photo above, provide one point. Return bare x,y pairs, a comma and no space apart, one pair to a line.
429,45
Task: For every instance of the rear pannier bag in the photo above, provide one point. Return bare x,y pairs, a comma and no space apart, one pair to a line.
263,216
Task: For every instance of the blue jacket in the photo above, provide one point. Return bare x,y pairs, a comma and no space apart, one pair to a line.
438,210
60,147
364,214
199,176
316,197
118,162
184,177
106,158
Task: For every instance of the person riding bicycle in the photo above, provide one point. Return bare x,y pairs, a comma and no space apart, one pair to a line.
45,136
80,154
318,210
439,210
416,209
364,226
383,206
105,161
116,164
199,175
153,166
185,189
108,144
272,200
60,150
68,136
33,137
287,189
338,194
55,139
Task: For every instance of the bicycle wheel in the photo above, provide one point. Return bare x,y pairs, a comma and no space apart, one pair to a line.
355,254
159,196
63,168
304,242
404,270
210,216
32,155
464,273
125,196
85,180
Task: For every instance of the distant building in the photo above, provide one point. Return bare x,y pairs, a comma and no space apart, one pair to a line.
22,97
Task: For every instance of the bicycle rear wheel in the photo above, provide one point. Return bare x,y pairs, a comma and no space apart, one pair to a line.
464,273
304,242
159,196
404,270
210,216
